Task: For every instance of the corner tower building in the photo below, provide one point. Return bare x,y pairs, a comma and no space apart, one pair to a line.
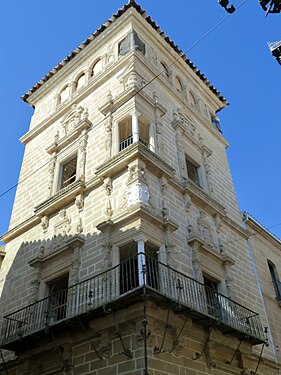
126,252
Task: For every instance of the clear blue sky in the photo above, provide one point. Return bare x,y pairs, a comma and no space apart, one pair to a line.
36,35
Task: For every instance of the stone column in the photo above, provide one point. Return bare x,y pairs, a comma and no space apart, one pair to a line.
141,259
135,127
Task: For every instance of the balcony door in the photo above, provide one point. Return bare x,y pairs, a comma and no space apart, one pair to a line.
131,268
57,301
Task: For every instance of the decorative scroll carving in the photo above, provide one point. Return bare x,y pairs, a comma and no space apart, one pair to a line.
204,229
137,171
72,119
107,263
181,155
108,136
183,122
170,249
51,170
83,153
75,267
196,265
34,288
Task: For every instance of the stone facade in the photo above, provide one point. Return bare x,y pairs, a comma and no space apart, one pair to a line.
126,252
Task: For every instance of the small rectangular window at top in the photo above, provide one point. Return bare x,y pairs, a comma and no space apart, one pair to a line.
69,172
192,172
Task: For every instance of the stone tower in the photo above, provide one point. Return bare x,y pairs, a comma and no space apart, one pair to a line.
126,252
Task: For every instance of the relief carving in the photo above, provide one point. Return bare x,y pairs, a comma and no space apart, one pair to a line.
184,122
79,201
108,136
45,223
72,119
83,153
187,202
107,184
51,170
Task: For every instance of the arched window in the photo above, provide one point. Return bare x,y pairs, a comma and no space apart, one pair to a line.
164,70
97,68
81,81
192,99
64,94
178,85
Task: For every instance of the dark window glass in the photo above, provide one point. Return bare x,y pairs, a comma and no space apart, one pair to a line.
69,172
192,172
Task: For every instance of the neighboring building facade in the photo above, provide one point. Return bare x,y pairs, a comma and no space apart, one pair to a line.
126,252
265,249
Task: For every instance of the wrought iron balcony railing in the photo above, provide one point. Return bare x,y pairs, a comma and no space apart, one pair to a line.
126,281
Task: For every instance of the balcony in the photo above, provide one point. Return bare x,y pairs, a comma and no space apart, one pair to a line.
123,285
129,141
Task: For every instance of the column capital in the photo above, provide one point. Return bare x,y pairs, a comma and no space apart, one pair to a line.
140,237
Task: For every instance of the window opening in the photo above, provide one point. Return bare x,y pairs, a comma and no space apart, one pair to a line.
64,95
129,271
58,290
211,290
164,70
275,280
81,81
192,99
152,266
97,68
69,172
179,87
192,171
128,268
125,134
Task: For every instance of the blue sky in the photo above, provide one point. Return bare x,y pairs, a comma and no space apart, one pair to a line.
36,35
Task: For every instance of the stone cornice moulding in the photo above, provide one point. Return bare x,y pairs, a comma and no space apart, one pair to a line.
203,248
69,245
60,199
20,228
120,161
139,212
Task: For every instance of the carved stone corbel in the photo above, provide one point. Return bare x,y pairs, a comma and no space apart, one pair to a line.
79,201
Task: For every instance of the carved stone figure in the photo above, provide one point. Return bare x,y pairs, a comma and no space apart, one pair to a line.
108,136
79,201
107,184
45,223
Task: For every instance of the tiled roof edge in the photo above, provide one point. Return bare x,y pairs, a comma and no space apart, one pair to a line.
248,216
104,26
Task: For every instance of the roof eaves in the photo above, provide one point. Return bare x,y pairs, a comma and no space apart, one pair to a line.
104,26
